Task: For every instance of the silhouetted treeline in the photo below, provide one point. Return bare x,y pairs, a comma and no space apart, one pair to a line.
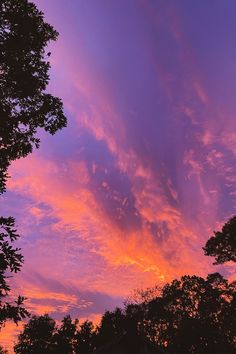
190,315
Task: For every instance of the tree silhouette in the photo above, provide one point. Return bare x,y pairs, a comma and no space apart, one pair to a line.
24,108
112,326
37,336
85,338
10,261
190,315
193,315
65,337
222,245
24,104
41,335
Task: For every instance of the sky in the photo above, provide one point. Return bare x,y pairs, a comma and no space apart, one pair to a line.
126,196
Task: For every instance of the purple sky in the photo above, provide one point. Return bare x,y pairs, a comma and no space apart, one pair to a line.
129,192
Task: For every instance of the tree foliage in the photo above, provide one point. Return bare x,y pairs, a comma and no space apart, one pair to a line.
85,338
222,245
37,336
24,104
10,261
193,316
65,336
41,335
190,315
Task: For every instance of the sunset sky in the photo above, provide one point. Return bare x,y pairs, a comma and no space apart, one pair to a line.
127,195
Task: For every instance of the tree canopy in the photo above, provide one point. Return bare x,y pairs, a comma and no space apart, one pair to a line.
65,336
222,245
37,336
190,315
10,261
25,105
41,335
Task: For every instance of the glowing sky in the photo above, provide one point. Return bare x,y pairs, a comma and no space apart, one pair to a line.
129,192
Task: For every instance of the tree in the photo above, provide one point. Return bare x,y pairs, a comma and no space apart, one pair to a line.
37,336
10,261
41,335
222,245
191,315
24,104
65,337
85,338
112,326
195,315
